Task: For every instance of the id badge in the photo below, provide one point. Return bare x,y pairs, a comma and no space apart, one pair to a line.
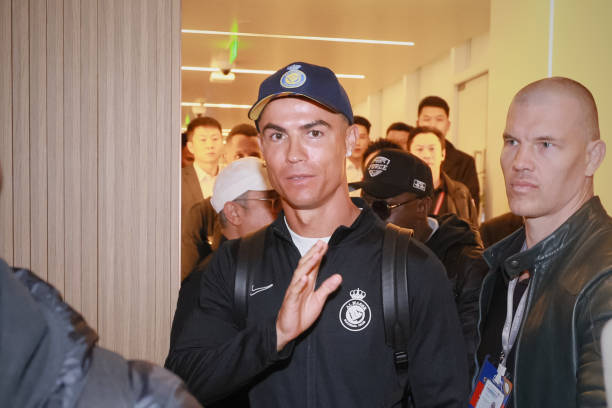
489,393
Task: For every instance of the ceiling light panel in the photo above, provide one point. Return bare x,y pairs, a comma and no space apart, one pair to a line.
259,71
301,37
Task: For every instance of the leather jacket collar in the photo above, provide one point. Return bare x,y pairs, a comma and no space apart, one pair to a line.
506,253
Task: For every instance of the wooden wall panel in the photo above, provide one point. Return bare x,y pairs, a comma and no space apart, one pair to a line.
109,109
89,159
72,152
38,137
90,156
55,143
175,213
6,134
147,88
21,134
163,137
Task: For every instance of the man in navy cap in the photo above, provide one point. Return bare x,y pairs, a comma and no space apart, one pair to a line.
313,333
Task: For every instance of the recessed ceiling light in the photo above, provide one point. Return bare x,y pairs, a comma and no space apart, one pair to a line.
258,71
301,37
216,105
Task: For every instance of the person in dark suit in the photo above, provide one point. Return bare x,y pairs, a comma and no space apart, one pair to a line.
433,112
205,142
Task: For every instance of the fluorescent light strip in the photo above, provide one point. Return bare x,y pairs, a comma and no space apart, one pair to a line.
258,71
216,105
224,132
301,37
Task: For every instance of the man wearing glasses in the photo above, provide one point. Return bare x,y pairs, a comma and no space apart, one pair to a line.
399,188
245,202
313,334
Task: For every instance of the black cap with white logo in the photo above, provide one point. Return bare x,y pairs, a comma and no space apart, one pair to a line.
393,171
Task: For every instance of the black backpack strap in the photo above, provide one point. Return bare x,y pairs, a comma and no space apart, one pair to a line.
250,251
397,259
396,304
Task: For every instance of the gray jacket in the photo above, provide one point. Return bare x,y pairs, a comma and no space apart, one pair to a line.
48,356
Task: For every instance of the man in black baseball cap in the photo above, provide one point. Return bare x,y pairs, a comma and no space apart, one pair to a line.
297,346
399,188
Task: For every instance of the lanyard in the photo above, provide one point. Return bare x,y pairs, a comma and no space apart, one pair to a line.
512,324
439,203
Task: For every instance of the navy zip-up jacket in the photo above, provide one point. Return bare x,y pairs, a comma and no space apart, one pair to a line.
343,359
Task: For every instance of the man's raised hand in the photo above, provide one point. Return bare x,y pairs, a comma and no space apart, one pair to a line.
302,304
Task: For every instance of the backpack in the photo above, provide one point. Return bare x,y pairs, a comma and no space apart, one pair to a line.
399,255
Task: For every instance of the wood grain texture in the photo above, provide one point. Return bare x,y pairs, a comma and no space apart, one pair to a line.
89,159
109,308
164,136
90,155
21,133
175,213
55,143
6,134
72,152
38,136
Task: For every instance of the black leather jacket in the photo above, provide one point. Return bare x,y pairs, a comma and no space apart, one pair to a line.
458,200
558,350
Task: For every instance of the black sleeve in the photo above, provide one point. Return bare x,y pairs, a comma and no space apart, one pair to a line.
438,374
594,311
473,270
211,354
194,243
471,179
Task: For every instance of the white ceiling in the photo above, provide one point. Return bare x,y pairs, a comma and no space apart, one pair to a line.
434,26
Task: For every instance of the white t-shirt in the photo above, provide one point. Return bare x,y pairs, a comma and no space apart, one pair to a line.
304,244
206,180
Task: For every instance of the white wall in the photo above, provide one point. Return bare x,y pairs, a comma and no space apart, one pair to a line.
398,102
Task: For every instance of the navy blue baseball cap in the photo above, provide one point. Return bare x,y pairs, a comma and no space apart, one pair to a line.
314,82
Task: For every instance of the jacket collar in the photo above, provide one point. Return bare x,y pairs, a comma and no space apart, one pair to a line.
507,253
343,234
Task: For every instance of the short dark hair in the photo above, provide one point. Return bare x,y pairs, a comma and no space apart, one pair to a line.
435,101
404,127
202,121
183,139
426,129
377,145
360,120
241,129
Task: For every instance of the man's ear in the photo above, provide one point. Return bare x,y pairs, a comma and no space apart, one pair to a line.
596,151
190,146
352,133
233,213
423,206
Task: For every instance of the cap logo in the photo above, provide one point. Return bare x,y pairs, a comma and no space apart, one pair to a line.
293,78
378,165
419,185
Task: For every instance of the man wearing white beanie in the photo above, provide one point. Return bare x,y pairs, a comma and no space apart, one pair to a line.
245,201
243,198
